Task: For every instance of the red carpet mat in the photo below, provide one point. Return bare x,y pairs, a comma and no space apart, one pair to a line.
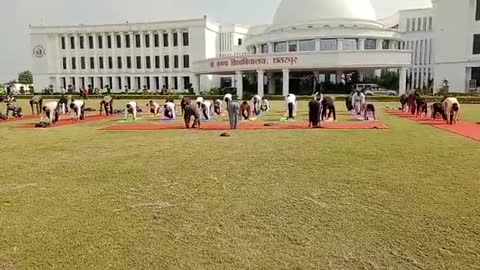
12,119
246,126
67,122
466,129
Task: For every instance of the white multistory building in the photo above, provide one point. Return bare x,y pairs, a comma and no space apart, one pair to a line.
308,42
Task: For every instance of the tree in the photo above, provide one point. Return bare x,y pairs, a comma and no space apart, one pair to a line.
25,77
388,80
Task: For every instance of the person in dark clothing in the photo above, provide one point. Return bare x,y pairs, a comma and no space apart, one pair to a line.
36,104
348,103
185,101
370,108
411,103
437,108
314,107
403,102
328,104
106,105
191,110
63,103
422,106
245,110
15,109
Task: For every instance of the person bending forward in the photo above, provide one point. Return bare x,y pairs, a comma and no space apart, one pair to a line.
169,110
192,110
51,111
78,109
36,104
328,104
106,105
245,110
291,101
314,113
131,109
452,109
233,114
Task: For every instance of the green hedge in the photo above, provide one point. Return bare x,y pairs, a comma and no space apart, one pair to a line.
461,99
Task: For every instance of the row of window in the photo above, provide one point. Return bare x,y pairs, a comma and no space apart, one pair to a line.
325,45
84,42
422,51
419,24
139,64
119,83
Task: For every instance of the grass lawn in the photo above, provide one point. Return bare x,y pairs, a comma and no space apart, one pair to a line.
78,198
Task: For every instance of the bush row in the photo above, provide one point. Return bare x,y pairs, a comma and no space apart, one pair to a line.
461,99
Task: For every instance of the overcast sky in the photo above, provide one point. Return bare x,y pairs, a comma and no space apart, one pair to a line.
18,14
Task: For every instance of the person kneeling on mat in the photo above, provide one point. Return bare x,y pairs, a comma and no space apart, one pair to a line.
131,109
106,105
257,102
15,109
437,108
217,107
291,101
328,104
370,108
36,104
358,102
192,110
314,107
265,105
245,110
205,106
169,110
452,109
51,112
154,107
78,109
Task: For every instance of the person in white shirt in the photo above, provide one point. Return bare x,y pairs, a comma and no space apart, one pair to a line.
51,111
154,107
291,101
358,102
78,109
452,109
131,109
205,108
228,98
257,103
169,110
265,105
217,107
199,101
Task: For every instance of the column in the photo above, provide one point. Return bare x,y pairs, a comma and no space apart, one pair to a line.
317,44
133,84
181,86
339,76
123,53
58,83
260,82
77,85
361,44
132,53
340,44
239,84
270,47
196,84
403,81
393,45
180,51
286,82
379,44
95,54
271,83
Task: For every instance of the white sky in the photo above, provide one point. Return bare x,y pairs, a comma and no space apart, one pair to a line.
18,14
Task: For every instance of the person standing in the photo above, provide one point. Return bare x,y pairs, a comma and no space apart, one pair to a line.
291,101
233,108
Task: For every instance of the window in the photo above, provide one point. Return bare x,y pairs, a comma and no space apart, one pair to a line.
109,42
306,45
72,43
328,44
90,42
165,40
156,40
476,44
186,41
148,62
350,44
280,47
92,63
240,41
63,43
81,42
186,61
419,27
100,42
82,62
175,61
139,62
119,62
101,63
292,46
386,44
137,40
110,62
186,82
175,39
147,40
477,13
408,25
119,41
166,61
370,44
129,62
74,63
157,62
64,63
264,48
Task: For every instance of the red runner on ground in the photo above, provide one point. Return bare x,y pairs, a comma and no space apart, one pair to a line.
13,119
466,129
67,122
245,126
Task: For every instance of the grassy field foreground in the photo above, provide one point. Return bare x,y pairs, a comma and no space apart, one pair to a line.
78,198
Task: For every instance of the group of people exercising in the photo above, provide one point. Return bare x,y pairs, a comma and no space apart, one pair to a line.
448,108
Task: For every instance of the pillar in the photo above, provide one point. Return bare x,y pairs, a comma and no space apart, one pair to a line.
361,44
403,81
260,82
340,44
196,84
271,83
180,87
239,84
286,82
58,83
379,44
339,76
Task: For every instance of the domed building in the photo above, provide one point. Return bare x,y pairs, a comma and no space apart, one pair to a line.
333,41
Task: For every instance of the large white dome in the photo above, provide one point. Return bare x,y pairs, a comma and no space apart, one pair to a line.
293,12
